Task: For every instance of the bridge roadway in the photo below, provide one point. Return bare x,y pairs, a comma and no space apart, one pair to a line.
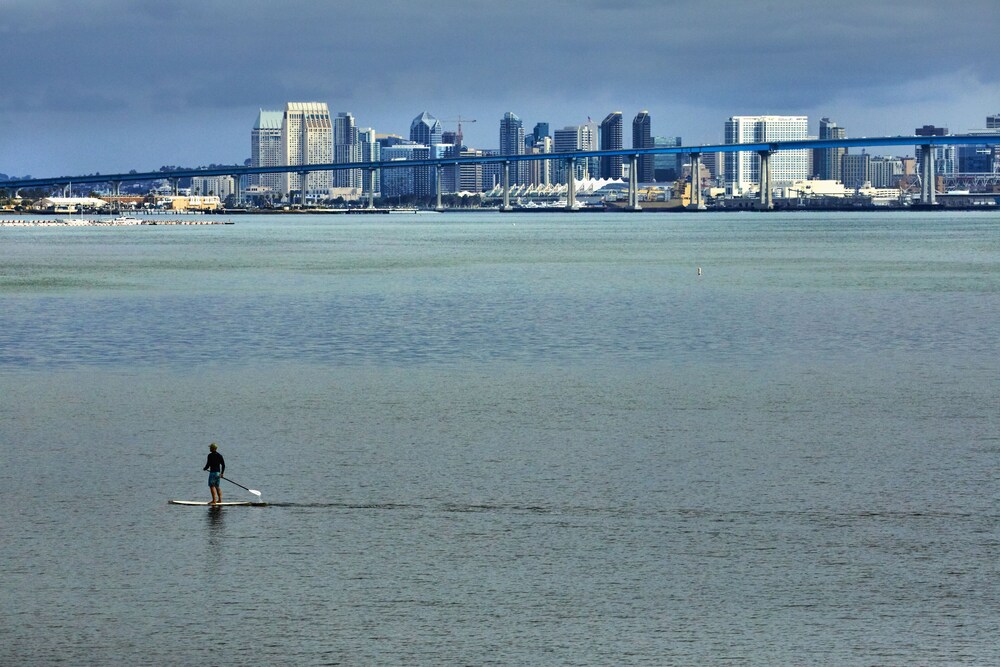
764,149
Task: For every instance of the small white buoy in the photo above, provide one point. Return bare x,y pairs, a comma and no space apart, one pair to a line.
699,270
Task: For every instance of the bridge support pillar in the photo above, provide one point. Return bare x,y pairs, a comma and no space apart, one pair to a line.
506,186
633,184
697,203
116,192
766,202
371,189
237,190
174,186
303,187
571,184
68,190
928,186
440,171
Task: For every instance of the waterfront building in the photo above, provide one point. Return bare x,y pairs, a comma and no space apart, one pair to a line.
667,167
742,169
611,140
448,173
885,171
642,137
346,150
220,186
307,138
978,159
716,165
826,161
404,181
854,173
470,176
266,151
492,175
512,143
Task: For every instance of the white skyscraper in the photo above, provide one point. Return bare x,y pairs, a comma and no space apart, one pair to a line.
266,150
307,138
743,168
575,138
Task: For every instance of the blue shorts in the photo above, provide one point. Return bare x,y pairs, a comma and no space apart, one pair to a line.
214,478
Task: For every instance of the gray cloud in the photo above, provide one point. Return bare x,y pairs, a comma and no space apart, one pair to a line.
201,69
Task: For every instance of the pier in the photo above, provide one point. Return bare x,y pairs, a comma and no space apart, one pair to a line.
118,222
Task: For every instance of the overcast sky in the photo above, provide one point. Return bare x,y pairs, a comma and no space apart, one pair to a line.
112,85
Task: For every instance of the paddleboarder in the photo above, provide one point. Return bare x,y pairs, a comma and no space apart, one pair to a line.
216,467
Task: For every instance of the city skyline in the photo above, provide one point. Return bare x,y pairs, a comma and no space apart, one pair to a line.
120,85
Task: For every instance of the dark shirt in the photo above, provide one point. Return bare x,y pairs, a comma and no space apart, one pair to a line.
215,463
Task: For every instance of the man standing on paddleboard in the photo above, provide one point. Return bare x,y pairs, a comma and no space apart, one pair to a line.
215,466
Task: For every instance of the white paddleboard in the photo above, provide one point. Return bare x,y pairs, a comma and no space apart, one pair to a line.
201,503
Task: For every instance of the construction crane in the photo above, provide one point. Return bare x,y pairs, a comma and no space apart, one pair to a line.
458,134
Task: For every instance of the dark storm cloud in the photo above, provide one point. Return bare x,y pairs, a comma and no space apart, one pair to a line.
80,69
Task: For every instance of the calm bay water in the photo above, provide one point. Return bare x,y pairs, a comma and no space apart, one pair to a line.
513,440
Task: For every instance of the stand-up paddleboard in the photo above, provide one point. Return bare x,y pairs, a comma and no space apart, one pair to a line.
201,503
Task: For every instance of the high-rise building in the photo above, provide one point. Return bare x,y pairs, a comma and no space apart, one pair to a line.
854,170
491,171
370,151
266,150
742,169
447,173
593,169
667,166
642,137
826,161
512,143
716,164
573,138
885,172
406,181
307,138
470,175
611,140
541,130
977,159
993,122
346,149
540,171
425,130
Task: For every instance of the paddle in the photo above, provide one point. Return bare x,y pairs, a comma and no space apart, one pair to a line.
253,491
